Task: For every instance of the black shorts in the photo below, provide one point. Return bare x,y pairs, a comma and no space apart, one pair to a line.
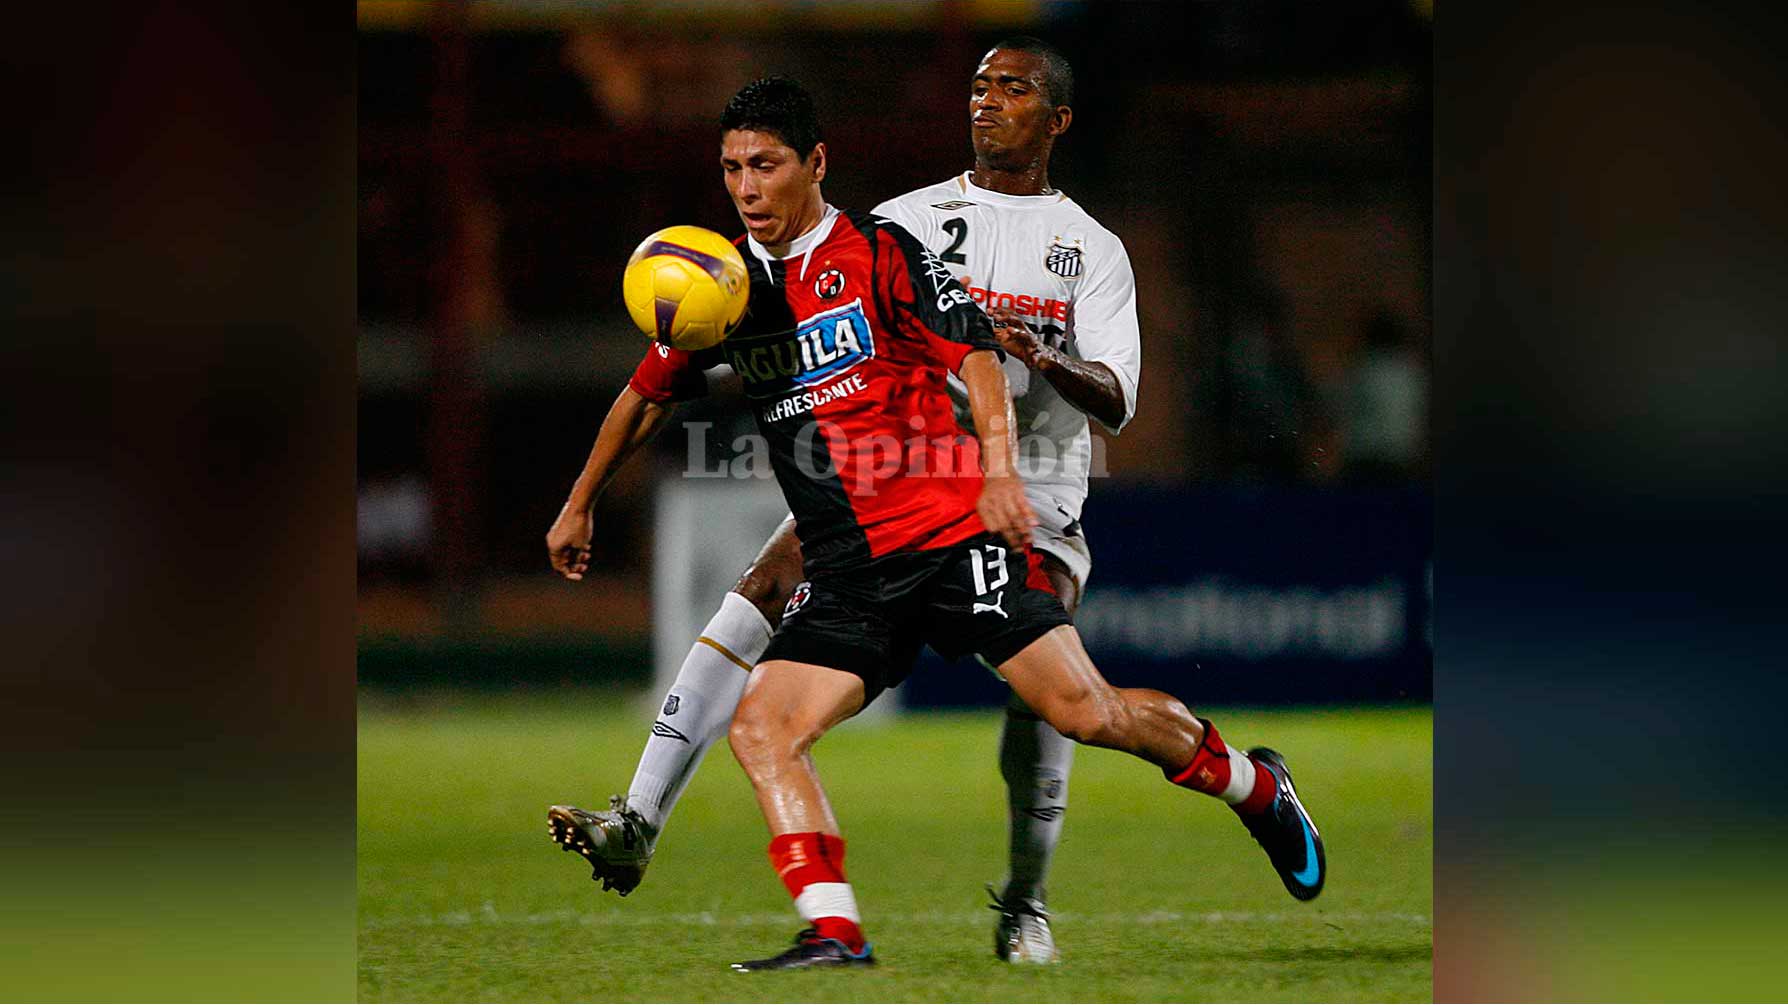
978,597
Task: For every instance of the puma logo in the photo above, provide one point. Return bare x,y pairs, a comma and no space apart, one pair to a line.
998,599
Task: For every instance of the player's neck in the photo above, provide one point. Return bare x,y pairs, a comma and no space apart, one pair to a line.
812,215
808,238
1031,179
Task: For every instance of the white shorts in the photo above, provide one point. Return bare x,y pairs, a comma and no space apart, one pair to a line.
1052,537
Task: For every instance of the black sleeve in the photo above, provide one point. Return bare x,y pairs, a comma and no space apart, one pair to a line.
928,302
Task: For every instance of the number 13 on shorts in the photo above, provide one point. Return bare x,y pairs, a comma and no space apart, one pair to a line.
985,560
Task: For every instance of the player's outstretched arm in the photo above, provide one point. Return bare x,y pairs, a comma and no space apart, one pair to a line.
631,423
1002,505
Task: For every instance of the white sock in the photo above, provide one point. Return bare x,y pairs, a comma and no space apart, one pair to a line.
1241,778
698,708
1034,760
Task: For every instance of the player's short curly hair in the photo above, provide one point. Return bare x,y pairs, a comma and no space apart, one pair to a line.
775,105
1058,76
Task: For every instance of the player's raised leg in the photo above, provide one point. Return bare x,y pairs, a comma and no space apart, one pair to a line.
788,706
619,842
1055,677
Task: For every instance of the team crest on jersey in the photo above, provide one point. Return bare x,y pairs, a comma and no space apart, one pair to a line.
1063,259
798,599
952,204
829,284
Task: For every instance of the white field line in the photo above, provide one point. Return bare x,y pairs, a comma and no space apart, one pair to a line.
489,915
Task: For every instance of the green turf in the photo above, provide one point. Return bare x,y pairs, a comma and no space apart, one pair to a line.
1159,893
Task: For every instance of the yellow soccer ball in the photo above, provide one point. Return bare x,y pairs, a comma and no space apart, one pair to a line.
686,287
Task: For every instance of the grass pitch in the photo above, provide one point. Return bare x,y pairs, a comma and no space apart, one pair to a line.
1159,893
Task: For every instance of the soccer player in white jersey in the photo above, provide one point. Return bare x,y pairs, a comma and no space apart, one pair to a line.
1060,290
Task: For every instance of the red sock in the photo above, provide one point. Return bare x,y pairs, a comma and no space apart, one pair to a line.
811,865
1242,782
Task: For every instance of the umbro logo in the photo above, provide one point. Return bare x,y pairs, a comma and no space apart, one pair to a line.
1047,814
660,729
952,204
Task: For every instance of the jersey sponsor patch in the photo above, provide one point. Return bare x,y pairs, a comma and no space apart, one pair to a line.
1045,308
802,402
952,204
825,345
1063,259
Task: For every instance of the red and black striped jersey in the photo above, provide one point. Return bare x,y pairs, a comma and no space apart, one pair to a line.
844,351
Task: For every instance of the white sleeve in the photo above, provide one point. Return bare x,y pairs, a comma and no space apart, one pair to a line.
904,211
1104,322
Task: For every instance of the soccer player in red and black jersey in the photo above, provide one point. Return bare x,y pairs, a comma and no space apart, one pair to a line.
908,540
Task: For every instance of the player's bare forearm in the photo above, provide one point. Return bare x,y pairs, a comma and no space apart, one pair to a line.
1091,387
1002,506
990,402
631,422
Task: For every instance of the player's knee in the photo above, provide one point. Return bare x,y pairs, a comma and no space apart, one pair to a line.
760,737
765,591
1082,725
1098,718
1076,718
751,737
773,575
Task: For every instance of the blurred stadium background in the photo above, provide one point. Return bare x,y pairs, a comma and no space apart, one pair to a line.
1263,539
1266,164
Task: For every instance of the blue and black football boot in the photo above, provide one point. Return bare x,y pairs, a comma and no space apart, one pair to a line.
810,950
1285,830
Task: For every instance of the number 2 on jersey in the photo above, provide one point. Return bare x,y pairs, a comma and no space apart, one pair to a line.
956,227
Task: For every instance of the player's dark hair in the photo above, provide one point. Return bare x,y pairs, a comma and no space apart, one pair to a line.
775,105
1058,76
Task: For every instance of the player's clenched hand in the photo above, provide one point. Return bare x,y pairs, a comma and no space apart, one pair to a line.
568,543
1005,510
1015,336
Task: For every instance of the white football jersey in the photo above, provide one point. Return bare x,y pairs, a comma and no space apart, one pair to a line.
1044,257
